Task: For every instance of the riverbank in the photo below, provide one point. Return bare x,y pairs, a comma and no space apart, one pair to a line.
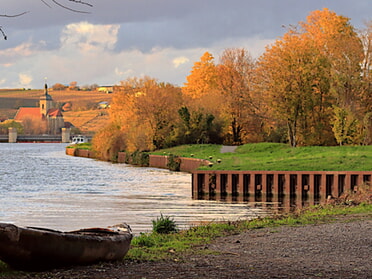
257,156
331,241
339,249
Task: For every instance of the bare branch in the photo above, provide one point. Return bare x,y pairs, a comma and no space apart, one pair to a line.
70,9
81,2
21,14
3,33
46,3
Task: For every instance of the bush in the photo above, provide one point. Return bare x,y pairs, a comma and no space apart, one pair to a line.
164,225
174,162
140,159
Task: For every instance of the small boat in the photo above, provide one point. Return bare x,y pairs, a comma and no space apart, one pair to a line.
31,248
79,139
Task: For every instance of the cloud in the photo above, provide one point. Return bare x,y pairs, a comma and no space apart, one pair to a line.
9,55
89,38
158,38
179,61
25,80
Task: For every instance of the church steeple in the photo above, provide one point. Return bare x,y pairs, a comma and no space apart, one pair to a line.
46,101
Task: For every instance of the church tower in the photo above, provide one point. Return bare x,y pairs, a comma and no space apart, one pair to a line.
46,102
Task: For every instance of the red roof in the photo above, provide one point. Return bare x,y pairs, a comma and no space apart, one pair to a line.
54,112
28,113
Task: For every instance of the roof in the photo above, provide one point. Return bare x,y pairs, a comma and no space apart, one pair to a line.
54,112
27,113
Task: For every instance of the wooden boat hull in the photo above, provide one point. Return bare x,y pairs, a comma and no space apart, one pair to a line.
39,248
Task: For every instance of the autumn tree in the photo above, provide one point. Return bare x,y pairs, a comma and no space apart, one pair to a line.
59,86
73,85
203,102
202,79
34,126
366,95
294,82
309,72
145,110
234,82
337,40
5,125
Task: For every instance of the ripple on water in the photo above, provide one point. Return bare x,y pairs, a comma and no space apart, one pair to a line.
41,186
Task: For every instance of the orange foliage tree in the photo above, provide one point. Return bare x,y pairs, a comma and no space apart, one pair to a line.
366,96
240,108
310,70
145,110
202,79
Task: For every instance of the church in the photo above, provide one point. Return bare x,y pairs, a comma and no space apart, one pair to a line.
46,113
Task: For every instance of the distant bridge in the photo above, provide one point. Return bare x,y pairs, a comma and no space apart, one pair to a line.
35,138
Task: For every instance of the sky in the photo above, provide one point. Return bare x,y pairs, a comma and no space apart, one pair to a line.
120,39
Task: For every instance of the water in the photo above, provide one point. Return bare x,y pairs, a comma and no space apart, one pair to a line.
41,186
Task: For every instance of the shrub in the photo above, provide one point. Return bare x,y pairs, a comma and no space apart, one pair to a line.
174,162
140,159
164,225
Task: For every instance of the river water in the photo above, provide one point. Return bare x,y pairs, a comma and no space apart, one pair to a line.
41,186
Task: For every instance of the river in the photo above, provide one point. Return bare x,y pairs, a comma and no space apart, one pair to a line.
41,186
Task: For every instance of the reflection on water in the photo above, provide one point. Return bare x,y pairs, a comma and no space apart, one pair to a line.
41,186
274,204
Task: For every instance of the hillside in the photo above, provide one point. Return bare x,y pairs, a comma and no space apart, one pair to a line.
84,113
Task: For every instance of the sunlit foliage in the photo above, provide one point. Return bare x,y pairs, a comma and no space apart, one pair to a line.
312,86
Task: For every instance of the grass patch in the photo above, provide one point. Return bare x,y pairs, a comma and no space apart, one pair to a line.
155,246
280,157
85,145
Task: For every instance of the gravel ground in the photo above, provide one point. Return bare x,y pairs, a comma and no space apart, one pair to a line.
336,250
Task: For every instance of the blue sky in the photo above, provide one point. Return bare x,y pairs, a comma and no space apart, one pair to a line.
119,39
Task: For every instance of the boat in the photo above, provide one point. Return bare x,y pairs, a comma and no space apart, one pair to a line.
79,139
32,248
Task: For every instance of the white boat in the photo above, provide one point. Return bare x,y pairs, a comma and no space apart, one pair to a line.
79,139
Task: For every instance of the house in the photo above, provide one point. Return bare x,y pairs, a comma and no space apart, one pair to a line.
45,113
106,89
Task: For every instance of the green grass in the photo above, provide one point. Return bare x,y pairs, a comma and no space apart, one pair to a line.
175,246
154,246
86,145
282,157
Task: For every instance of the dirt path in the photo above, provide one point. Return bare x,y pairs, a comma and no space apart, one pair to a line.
227,149
338,250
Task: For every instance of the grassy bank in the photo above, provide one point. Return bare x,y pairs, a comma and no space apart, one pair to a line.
85,146
154,246
175,246
282,157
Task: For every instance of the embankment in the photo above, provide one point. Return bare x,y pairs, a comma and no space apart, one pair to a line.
155,161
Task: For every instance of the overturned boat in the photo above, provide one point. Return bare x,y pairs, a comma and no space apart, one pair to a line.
31,248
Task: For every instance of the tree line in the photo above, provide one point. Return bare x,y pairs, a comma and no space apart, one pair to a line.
312,86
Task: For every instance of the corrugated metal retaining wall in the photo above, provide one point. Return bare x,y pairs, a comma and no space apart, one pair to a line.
276,183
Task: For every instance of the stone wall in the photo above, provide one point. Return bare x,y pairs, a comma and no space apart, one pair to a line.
80,152
155,161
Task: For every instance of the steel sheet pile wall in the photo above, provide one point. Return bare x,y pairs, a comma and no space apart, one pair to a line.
276,183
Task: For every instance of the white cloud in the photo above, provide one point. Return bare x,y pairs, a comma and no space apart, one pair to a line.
87,38
25,80
179,61
9,55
